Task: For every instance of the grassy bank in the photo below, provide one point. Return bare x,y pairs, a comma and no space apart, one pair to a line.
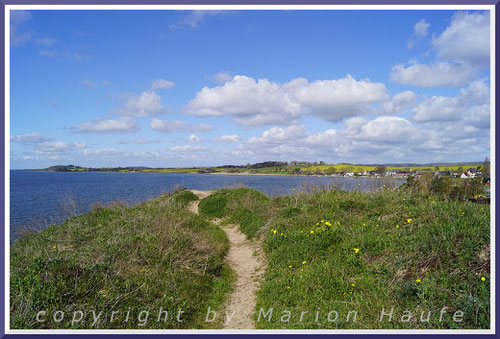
406,249
365,252
146,258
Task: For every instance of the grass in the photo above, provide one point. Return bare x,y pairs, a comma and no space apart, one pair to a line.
141,258
421,256
331,250
328,250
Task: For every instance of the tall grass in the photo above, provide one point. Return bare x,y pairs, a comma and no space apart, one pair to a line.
117,258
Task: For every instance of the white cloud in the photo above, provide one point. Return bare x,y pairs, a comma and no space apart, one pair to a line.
187,148
29,138
88,83
421,28
140,141
261,102
18,34
121,125
399,103
146,104
167,126
48,53
194,138
471,105
194,18
161,84
439,74
57,147
466,39
228,138
44,41
221,77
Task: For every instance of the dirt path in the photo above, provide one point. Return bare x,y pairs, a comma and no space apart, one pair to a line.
246,259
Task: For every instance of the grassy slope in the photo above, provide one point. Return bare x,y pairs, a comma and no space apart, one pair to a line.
152,255
311,264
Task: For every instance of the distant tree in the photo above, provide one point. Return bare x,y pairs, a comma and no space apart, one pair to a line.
486,168
436,168
381,170
331,170
317,171
322,163
460,169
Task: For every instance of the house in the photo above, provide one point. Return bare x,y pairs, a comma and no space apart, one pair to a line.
442,173
349,174
471,173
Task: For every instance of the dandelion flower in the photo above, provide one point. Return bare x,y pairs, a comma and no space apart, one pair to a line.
483,279
433,202
274,231
293,189
353,284
418,280
290,266
304,262
312,231
364,224
54,246
322,221
302,270
397,226
328,223
356,250
409,220
288,287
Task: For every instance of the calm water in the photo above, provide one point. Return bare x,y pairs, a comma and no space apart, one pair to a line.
36,197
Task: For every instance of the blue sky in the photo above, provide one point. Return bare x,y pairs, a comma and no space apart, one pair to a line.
201,88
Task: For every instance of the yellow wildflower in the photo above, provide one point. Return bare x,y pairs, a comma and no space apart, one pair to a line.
290,266
312,231
418,280
483,279
274,231
433,202
364,224
409,220
288,287
356,250
54,246
328,223
322,221
397,226
304,262
353,284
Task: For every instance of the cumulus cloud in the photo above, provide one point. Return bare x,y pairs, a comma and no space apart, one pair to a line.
399,103
146,104
29,138
466,39
228,138
167,126
57,147
194,138
471,105
161,84
438,74
421,28
188,148
140,141
260,102
121,125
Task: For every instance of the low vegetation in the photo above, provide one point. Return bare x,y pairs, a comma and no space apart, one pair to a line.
414,249
146,258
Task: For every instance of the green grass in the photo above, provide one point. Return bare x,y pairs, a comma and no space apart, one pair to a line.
415,252
142,258
244,206
327,250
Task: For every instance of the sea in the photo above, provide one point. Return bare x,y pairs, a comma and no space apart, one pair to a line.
40,199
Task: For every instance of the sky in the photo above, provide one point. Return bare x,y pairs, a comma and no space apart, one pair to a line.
205,88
